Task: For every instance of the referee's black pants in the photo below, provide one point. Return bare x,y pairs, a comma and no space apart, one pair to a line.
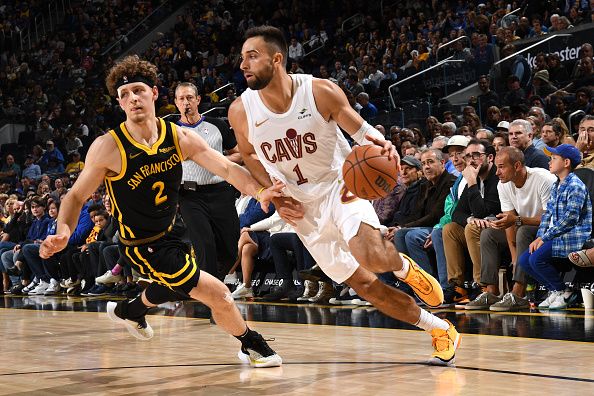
213,224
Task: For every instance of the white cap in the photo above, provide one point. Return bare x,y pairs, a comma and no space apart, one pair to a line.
503,125
456,140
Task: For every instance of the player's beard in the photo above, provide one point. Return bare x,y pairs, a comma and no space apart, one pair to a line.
262,81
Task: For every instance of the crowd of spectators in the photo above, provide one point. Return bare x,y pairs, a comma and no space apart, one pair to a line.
57,90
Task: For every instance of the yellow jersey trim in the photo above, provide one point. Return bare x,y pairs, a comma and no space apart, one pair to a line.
149,150
194,268
152,271
117,211
176,141
122,157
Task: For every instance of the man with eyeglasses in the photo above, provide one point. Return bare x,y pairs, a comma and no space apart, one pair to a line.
478,201
207,202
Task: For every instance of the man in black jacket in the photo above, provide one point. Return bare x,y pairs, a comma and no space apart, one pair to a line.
410,168
430,200
478,201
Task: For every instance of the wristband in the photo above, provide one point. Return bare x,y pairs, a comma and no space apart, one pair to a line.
365,130
258,193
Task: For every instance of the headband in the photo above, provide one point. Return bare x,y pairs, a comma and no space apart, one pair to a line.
134,78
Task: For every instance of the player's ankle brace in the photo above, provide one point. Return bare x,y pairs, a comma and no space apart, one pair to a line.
132,309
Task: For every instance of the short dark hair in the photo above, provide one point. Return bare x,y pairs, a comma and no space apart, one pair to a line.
95,208
272,36
39,201
585,90
489,149
102,212
557,130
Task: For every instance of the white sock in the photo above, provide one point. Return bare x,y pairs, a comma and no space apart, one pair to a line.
428,321
401,273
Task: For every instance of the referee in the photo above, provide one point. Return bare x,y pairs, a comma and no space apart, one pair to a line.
207,202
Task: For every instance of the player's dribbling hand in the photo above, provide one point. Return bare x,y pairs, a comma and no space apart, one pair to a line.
274,191
52,244
387,147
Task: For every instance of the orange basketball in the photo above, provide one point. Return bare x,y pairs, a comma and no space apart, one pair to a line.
368,173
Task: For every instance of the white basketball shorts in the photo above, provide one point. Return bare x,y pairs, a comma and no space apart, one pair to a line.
329,224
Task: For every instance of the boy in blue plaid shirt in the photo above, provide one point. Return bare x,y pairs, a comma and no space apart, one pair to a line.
564,227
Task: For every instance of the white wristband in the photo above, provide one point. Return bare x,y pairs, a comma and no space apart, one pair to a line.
365,130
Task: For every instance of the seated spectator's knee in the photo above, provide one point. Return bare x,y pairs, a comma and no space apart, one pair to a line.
472,231
415,238
489,235
249,250
526,232
449,229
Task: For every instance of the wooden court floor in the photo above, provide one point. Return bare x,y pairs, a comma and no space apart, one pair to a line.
54,346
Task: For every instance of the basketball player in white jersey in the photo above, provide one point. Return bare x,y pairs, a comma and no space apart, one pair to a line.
287,129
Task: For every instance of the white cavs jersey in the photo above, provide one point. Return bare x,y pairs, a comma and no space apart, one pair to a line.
298,147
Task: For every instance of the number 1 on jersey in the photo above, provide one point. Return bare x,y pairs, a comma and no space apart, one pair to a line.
159,198
301,180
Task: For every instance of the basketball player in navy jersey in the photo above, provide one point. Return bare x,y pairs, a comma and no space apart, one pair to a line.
287,129
140,163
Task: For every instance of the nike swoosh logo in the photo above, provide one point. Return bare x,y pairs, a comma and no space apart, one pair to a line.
132,156
261,122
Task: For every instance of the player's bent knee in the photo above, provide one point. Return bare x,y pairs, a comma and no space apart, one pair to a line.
157,294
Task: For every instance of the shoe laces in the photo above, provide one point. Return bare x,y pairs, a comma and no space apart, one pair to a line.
258,344
509,297
441,341
481,296
141,324
418,279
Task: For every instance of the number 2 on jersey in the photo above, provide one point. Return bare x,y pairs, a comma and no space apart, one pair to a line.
159,198
301,180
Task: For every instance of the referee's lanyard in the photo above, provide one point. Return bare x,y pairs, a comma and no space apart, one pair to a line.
192,125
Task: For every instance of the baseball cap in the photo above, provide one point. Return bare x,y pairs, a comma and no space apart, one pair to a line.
353,68
503,125
542,75
412,161
566,151
456,140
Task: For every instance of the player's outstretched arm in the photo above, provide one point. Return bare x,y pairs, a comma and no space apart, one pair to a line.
102,152
196,149
333,104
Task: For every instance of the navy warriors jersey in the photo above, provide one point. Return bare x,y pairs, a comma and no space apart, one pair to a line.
144,194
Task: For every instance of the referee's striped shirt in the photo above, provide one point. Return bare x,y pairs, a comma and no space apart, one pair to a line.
218,135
